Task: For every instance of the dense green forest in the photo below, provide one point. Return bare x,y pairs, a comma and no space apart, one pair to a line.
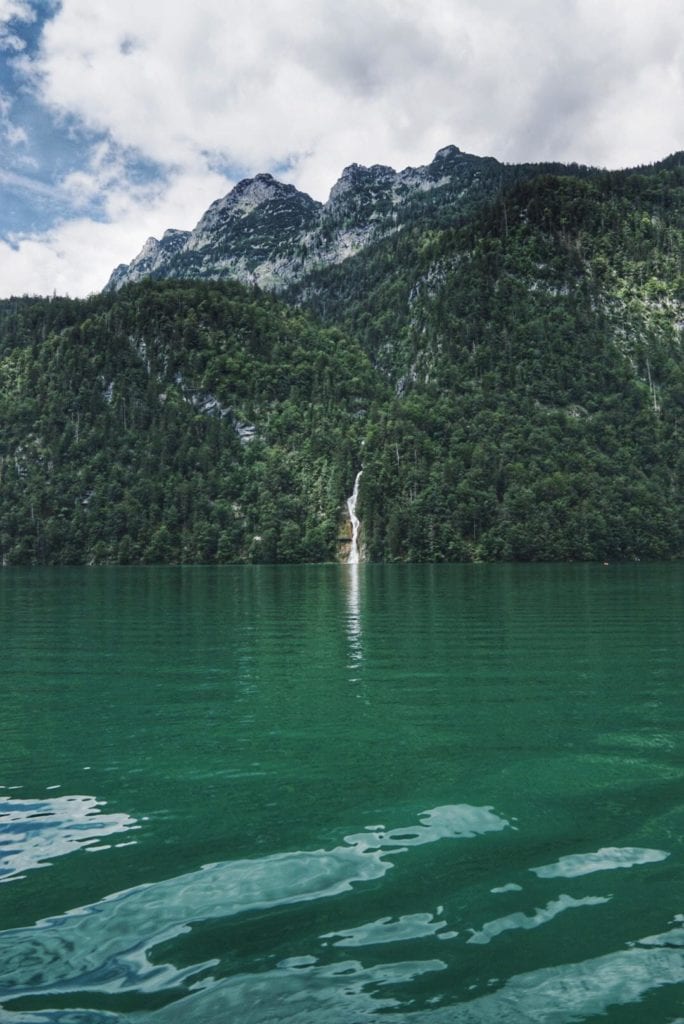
536,356
511,379
175,422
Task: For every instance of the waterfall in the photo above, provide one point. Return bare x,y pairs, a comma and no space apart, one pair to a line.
354,555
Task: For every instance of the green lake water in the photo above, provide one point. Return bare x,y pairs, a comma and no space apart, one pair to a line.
430,794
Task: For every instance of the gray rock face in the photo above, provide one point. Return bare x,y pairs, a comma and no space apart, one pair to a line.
270,234
154,256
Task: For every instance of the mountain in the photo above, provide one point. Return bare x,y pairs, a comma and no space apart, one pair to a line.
500,349
270,234
597,250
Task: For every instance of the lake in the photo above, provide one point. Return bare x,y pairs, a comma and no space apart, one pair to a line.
312,794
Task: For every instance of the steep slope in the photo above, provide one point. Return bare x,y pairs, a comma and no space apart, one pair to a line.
250,235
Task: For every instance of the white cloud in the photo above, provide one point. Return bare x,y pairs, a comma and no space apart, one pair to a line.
24,183
19,10
317,84
369,79
77,256
11,133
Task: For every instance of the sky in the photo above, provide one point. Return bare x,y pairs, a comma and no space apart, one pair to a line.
122,118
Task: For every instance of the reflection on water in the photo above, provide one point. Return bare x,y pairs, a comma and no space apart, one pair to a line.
535,710
408,926
32,832
348,992
606,859
310,993
490,930
109,946
451,822
574,992
353,618
106,945
352,992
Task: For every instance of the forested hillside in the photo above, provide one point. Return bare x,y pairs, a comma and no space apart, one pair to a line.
536,355
175,422
510,375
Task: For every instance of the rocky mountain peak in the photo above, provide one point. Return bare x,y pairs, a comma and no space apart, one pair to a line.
155,254
357,176
267,232
251,193
173,235
446,153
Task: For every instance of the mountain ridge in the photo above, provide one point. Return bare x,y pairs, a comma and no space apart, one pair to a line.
269,233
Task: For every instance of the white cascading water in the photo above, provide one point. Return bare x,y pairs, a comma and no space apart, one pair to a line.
354,554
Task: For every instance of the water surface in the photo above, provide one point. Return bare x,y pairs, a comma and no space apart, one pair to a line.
342,794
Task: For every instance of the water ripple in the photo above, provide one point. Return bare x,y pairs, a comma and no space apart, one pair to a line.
540,916
349,992
304,992
606,859
453,821
408,926
106,946
32,832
